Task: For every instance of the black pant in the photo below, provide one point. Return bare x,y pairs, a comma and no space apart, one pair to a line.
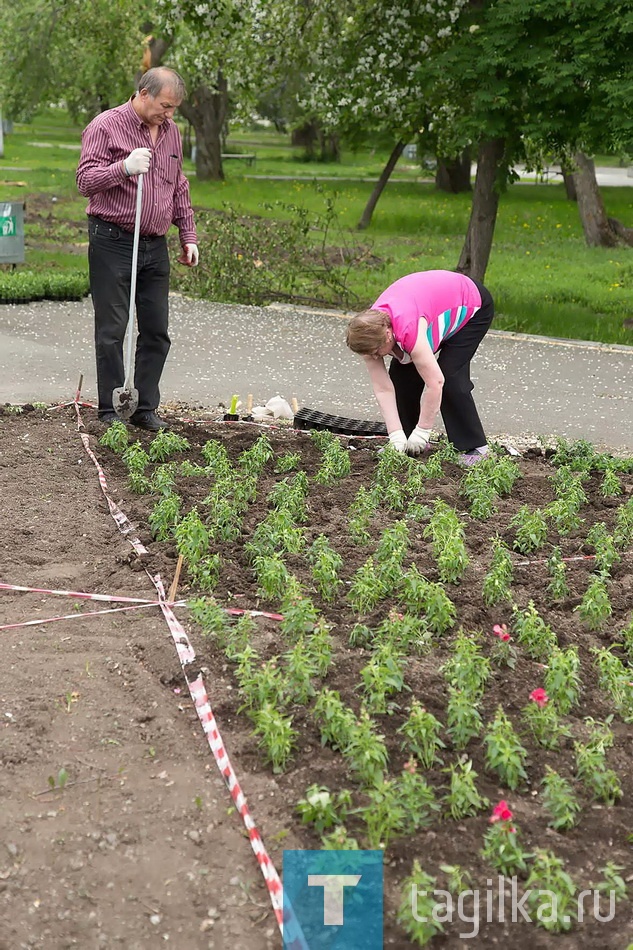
110,262
461,419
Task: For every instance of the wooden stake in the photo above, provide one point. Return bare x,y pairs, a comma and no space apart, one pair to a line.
171,597
79,385
295,405
249,404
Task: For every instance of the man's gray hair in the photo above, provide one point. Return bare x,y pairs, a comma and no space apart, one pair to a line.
160,76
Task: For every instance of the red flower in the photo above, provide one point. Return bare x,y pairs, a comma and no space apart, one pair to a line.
501,812
540,697
501,631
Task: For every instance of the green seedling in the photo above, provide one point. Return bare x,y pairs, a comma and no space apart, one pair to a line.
385,816
288,462
135,458
605,547
166,443
595,607
116,437
335,464
531,530
300,615
504,753
324,809
416,913
58,783
192,537
326,565
611,486
559,801
614,678
496,586
277,738
164,517
417,797
502,848
612,882
463,719
548,876
463,800
253,460
366,752
533,634
467,669
382,677
562,679
557,588
366,590
334,719
421,733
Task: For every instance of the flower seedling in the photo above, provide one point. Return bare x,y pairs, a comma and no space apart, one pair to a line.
272,577
417,915
605,547
591,767
611,487
559,801
211,618
422,596
504,753
501,843
496,586
612,882
192,537
557,588
535,636
300,615
503,651
164,517
299,673
167,443
422,735
335,720
382,677
542,720
463,719
326,565
562,679
417,797
463,800
366,752
548,877
277,737
288,462
467,669
335,464
406,633
614,678
366,590
385,816
116,437
339,840
324,809
447,540
531,530
360,515
595,607
623,530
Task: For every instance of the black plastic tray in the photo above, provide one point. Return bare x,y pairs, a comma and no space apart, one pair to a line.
313,419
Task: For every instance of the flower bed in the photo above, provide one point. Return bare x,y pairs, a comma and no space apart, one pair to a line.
452,677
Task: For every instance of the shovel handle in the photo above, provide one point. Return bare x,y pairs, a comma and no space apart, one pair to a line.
130,322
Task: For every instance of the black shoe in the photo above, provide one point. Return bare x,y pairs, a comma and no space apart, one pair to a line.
107,418
147,419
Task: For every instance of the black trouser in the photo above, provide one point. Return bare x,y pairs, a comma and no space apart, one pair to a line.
461,419
110,261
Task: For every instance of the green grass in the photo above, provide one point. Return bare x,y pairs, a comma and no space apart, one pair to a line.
544,278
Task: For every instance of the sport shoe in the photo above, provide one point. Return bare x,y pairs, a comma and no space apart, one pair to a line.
471,458
148,419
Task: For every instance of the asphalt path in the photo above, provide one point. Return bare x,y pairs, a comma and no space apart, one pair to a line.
525,386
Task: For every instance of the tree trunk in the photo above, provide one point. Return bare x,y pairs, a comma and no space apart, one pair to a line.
365,218
483,216
316,144
205,109
453,174
595,224
568,181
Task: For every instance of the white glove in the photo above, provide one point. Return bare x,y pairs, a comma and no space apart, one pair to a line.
417,440
398,440
137,162
189,255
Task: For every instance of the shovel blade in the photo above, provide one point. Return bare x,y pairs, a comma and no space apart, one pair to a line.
125,402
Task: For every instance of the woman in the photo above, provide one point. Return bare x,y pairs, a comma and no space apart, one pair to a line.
431,324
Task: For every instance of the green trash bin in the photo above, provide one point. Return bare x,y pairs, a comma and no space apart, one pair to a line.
11,232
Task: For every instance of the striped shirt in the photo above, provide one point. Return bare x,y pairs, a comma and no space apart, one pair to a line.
445,299
105,143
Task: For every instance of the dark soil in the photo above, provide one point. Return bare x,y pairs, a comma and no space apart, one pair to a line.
57,533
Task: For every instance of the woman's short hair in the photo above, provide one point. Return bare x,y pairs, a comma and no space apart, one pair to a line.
366,331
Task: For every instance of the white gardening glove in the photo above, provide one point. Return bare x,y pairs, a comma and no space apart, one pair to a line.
417,440
137,162
398,440
189,255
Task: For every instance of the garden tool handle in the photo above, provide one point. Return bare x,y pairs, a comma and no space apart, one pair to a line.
130,323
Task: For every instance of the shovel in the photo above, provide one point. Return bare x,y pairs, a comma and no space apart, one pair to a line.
125,398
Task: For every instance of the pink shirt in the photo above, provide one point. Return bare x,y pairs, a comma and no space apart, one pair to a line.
105,142
445,299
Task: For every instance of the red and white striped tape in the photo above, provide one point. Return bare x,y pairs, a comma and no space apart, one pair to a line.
82,595
81,616
186,655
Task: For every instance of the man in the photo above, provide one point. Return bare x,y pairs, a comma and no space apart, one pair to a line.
139,137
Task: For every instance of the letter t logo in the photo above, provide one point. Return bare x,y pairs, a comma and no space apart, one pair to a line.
333,885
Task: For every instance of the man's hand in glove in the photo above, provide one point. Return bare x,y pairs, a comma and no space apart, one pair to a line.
137,162
398,440
417,441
